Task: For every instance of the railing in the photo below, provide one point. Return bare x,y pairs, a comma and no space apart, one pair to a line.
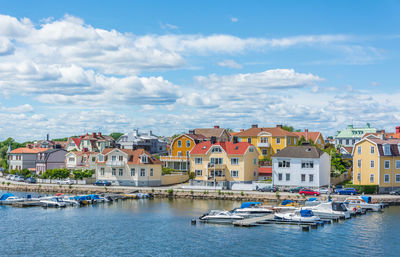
260,144
115,163
174,158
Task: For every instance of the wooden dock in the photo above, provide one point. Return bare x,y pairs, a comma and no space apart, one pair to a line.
252,221
27,204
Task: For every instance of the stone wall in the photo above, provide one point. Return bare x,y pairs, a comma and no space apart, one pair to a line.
174,178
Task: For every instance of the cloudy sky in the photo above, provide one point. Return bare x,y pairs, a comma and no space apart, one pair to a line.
68,68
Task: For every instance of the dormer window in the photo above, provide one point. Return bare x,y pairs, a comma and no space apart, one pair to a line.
216,150
101,157
386,149
143,159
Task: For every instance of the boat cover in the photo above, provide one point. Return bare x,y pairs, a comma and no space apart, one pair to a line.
286,202
248,204
5,196
367,198
306,213
312,199
94,197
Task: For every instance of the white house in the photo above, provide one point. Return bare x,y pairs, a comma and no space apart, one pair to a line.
305,165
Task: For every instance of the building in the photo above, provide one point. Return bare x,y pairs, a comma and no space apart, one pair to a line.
81,160
224,163
23,158
377,162
95,142
268,141
306,166
147,141
264,173
315,137
127,167
220,134
50,159
179,157
349,136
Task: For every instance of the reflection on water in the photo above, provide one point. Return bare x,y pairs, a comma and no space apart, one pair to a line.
161,227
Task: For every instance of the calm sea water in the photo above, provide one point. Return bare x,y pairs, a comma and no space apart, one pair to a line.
161,227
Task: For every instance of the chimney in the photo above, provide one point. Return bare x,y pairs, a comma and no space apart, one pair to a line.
254,126
216,126
398,130
213,140
191,132
99,134
235,140
279,126
94,134
241,130
47,137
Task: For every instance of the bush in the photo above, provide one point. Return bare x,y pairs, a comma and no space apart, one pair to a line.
191,192
170,192
56,174
192,175
241,193
166,170
152,190
79,174
366,189
219,192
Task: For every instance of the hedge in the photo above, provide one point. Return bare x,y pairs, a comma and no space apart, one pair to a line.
370,189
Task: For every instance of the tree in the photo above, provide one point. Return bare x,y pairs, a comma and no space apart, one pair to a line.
116,135
60,139
290,128
229,130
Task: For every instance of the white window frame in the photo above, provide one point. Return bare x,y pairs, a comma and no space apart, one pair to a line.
234,173
199,173
188,143
264,151
359,163
303,176
280,176
388,178
283,164
133,172
372,149
144,159
235,161
120,172
278,140
397,164
102,171
372,164
359,149
143,172
386,149
311,177
255,161
397,176
371,178
114,171
287,176
307,164
151,172
359,176
198,160
388,167
179,143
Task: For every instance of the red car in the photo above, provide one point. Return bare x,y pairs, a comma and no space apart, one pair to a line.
306,191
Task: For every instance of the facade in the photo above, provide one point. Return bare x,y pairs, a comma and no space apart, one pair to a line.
349,136
23,158
264,173
147,141
268,141
179,157
306,166
377,162
127,167
81,160
224,163
50,159
95,142
220,134
315,137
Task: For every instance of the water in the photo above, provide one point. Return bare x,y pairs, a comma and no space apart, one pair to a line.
161,227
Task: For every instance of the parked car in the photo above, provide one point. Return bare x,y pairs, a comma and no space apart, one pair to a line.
323,190
306,191
30,180
66,182
268,188
19,178
295,189
395,192
9,176
102,183
346,191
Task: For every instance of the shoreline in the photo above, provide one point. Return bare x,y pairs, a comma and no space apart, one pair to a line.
166,192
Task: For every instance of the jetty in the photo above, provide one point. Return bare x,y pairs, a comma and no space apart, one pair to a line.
26,204
251,222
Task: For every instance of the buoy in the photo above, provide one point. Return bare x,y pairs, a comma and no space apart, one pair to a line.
193,222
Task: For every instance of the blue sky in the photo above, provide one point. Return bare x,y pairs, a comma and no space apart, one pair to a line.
73,67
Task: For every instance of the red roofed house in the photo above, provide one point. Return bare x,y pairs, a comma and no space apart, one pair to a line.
264,173
94,142
221,164
128,167
315,137
23,158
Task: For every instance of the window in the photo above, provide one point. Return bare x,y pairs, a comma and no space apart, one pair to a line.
255,161
234,161
199,172
234,173
372,149
179,153
251,149
71,159
287,176
358,176
187,153
280,176
387,164
340,141
278,140
102,171
264,152
249,140
371,178
187,143
307,164
319,141
114,172
179,143
295,141
255,174
93,159
143,159
372,164
133,172
387,178
120,172
284,164
397,164
216,160
359,163
311,177
397,178
218,173
264,140
113,158
303,177
216,149
142,172
359,150
386,148
198,160
151,172
120,158
101,158
347,142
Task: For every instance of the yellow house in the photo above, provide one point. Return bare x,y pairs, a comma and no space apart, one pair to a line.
377,162
315,137
224,163
268,140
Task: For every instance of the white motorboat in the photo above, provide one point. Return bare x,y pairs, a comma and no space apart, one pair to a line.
359,202
53,202
300,216
216,216
312,202
70,200
252,209
329,210
8,199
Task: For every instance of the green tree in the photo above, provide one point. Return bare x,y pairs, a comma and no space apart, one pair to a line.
290,128
116,135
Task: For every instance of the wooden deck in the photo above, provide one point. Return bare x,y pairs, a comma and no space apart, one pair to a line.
252,221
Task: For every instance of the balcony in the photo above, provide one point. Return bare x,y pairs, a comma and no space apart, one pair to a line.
259,144
174,158
115,163
212,166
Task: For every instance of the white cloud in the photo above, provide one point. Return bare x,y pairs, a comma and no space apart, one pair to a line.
25,108
234,19
168,26
230,64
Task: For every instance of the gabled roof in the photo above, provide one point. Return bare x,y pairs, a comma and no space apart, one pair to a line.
303,151
394,149
22,150
77,140
265,171
276,131
308,135
210,132
230,148
134,155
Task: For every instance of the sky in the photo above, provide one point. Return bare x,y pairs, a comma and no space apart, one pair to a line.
72,67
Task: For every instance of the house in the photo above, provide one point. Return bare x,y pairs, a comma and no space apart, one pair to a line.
23,158
94,142
147,141
305,165
220,134
264,173
315,137
268,140
376,161
127,167
349,136
223,163
50,159
81,160
181,146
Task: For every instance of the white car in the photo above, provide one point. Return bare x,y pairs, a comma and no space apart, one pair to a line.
9,176
323,190
66,182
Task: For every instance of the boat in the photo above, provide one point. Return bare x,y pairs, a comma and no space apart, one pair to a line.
71,200
299,216
362,202
329,210
286,206
8,199
252,209
313,201
217,216
53,202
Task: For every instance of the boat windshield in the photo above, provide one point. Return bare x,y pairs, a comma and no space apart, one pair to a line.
337,206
